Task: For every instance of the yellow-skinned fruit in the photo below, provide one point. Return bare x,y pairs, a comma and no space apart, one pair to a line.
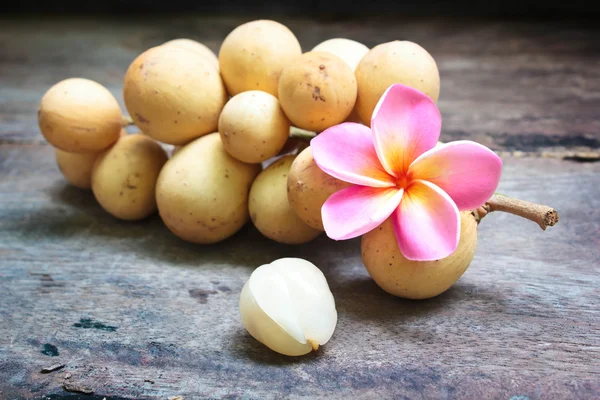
253,55
77,167
317,91
197,47
202,192
174,94
270,209
124,177
348,50
253,126
79,116
416,279
394,62
309,187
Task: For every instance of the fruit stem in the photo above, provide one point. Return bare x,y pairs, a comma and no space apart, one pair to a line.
126,120
542,215
301,134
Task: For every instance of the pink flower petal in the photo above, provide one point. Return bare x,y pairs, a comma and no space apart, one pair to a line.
467,171
405,123
356,210
427,223
346,151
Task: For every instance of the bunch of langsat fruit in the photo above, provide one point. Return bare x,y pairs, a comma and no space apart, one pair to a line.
241,125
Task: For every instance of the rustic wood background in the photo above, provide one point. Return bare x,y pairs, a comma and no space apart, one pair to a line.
134,312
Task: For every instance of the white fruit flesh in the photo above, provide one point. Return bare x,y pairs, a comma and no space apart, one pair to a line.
287,306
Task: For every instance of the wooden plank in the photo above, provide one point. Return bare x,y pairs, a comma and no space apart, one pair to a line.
512,85
134,312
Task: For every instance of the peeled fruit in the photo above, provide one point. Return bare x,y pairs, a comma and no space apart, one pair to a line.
416,279
253,126
124,177
253,55
348,50
317,91
174,94
270,209
77,167
309,187
394,62
79,116
288,307
197,47
202,192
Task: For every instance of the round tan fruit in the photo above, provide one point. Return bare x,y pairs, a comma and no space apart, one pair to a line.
79,116
348,50
77,167
174,94
317,91
253,126
253,55
124,177
202,192
270,209
309,187
351,52
416,279
394,62
197,47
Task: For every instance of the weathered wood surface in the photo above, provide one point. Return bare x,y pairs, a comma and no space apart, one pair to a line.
125,302
509,84
133,312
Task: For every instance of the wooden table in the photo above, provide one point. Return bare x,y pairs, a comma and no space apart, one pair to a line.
134,312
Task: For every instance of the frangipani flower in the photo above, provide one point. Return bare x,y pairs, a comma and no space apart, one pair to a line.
398,171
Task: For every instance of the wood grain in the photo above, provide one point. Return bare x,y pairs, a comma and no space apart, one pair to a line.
135,313
510,84
128,303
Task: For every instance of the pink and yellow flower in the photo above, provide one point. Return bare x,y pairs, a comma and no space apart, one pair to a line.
399,172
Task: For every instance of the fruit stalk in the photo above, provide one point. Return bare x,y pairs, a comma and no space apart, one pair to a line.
542,215
301,134
126,121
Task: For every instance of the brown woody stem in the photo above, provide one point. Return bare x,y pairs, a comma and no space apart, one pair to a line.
301,134
126,120
542,215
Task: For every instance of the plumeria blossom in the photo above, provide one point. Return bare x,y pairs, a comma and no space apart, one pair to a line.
399,172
